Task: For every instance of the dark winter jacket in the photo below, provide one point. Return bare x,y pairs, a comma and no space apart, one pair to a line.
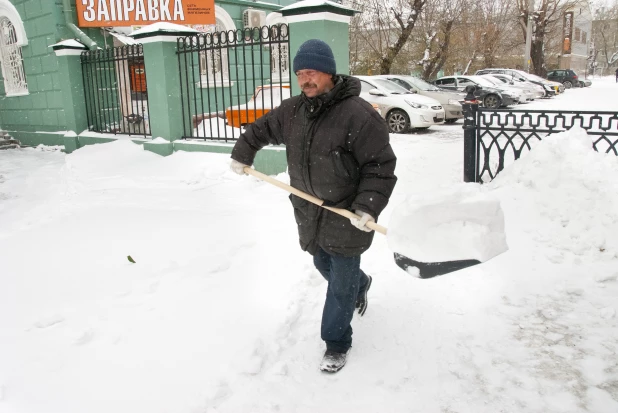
338,150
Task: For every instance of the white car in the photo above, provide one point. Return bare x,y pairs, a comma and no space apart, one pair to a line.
550,88
524,94
450,101
516,94
537,90
402,110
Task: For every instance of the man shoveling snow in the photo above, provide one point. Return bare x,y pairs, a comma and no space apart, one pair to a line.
338,150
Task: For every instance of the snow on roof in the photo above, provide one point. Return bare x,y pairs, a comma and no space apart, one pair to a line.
124,39
314,3
70,43
163,27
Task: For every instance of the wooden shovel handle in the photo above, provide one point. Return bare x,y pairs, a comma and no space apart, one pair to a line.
343,212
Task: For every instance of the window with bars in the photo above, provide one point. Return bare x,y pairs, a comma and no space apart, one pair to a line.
12,61
279,57
214,61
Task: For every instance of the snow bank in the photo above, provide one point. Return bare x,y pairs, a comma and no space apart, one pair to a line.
127,164
569,192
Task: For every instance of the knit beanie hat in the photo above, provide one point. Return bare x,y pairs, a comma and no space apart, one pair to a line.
317,55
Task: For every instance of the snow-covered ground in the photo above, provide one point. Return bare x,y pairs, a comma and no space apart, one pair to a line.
221,311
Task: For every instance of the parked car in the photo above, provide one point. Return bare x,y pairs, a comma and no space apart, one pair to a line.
521,95
264,99
489,96
558,87
537,90
550,87
401,109
565,76
450,101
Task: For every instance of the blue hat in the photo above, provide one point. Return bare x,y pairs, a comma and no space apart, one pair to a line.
317,55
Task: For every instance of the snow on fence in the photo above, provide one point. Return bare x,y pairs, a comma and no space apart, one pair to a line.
500,136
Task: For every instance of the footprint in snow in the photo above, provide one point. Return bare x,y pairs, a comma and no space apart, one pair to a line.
84,337
48,321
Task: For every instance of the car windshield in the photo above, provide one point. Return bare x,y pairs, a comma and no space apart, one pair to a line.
492,79
277,94
390,86
535,77
420,83
480,80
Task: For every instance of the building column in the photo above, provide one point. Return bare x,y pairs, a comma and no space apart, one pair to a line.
72,85
328,22
163,81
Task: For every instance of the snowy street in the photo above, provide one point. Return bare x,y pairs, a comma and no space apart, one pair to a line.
221,311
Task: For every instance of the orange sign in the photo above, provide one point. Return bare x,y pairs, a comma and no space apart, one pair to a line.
107,13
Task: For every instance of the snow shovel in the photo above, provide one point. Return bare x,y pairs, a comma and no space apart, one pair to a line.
476,224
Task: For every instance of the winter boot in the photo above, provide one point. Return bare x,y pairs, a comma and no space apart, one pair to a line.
333,361
361,300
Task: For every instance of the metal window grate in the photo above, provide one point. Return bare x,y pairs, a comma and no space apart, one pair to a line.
116,90
230,78
12,61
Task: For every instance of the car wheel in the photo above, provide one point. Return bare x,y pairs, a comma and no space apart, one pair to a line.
452,120
567,84
492,101
398,121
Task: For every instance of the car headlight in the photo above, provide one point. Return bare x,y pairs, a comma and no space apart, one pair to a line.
454,102
416,105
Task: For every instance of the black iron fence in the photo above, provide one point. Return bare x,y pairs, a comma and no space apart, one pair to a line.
493,138
116,90
230,78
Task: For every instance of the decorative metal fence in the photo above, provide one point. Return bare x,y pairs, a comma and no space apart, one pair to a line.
116,90
496,137
230,78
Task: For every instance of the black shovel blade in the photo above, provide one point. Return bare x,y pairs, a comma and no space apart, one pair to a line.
433,269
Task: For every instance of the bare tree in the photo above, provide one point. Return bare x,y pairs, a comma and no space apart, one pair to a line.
496,17
406,15
605,35
438,21
547,15
382,31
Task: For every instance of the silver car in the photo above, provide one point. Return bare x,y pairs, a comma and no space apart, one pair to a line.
537,90
451,101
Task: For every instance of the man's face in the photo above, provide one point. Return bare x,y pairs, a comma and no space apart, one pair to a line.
314,83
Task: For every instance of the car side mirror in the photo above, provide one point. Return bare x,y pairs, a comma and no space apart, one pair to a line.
376,92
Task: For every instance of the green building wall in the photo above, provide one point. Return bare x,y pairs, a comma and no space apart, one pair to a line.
40,116
42,110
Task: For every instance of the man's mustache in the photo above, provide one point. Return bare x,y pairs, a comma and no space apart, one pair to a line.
308,84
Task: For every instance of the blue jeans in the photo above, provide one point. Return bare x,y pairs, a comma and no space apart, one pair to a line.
345,280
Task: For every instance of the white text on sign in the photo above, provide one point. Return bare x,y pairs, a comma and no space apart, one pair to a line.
133,10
